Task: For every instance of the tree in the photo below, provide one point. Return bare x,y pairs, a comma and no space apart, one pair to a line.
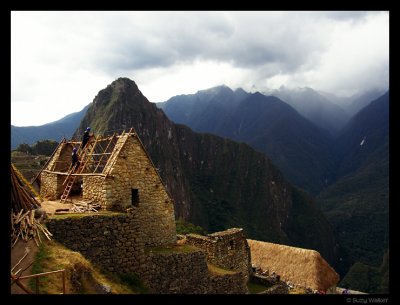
45,147
25,148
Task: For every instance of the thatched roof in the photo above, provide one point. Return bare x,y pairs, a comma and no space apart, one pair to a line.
22,195
302,267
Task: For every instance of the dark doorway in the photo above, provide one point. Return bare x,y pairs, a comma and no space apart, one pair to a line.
135,197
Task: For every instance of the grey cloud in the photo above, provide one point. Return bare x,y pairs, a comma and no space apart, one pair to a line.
345,15
211,38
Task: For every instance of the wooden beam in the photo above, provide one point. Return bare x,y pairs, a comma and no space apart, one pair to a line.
84,174
40,274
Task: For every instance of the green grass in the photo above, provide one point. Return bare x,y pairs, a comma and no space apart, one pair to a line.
185,227
42,256
172,249
219,270
133,281
80,215
255,288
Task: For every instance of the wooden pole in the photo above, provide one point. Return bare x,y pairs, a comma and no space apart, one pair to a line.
37,285
22,286
64,281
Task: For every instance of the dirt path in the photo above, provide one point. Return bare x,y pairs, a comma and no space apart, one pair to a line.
51,206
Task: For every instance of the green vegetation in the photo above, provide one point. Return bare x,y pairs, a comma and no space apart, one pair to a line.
134,282
357,206
45,147
367,278
255,288
308,227
28,165
219,270
42,256
172,249
185,227
361,278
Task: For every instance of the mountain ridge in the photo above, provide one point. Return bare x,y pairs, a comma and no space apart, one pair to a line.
262,122
55,130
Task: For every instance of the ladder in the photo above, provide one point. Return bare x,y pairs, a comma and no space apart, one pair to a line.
78,168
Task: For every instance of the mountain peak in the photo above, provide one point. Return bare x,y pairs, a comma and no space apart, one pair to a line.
112,106
123,83
216,90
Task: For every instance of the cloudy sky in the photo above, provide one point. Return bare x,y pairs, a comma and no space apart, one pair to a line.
61,60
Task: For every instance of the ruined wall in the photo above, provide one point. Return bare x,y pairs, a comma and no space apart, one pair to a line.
134,171
187,273
227,249
51,185
114,242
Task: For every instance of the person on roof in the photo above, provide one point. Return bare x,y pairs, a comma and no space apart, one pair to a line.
74,157
85,137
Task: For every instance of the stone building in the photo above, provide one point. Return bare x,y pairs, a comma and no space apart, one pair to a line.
228,249
117,173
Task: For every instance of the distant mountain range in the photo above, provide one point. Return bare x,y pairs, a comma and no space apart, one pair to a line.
314,107
64,127
266,123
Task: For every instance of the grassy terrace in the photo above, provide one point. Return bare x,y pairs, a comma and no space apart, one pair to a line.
218,270
255,288
82,277
79,215
172,249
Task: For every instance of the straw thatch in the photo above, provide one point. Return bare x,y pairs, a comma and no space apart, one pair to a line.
302,267
22,195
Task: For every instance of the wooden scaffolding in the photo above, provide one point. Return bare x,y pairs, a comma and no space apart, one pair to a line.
96,158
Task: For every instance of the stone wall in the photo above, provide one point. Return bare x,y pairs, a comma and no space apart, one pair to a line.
178,273
51,185
113,242
187,273
227,249
134,171
94,190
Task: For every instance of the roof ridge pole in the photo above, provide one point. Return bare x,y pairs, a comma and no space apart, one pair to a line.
117,148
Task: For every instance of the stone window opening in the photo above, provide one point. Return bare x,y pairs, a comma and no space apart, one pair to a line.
135,197
230,247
